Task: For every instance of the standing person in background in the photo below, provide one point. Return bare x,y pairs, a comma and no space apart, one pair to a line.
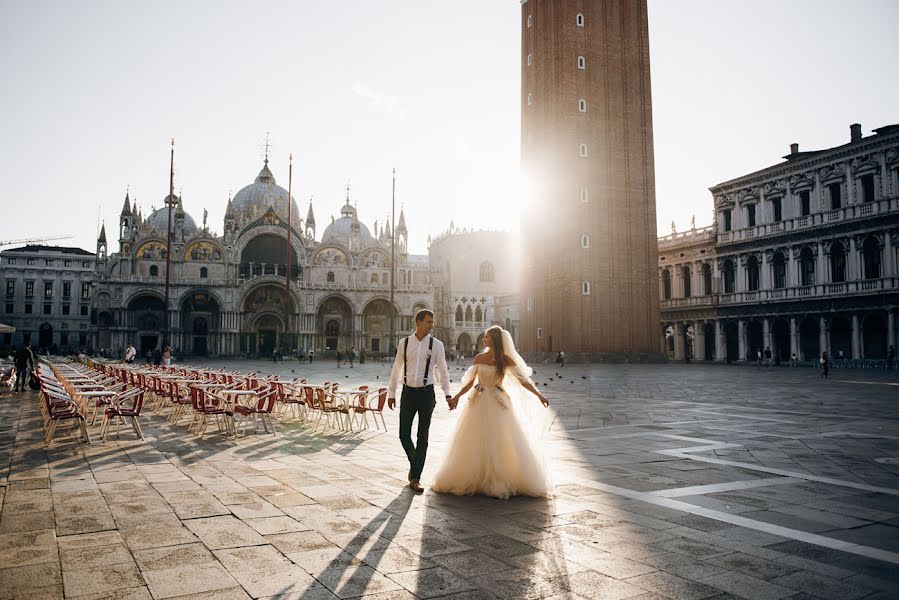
167,356
24,365
891,358
130,353
339,358
825,365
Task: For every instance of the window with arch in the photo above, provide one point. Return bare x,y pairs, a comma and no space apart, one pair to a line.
666,284
330,276
585,196
459,315
539,333
478,315
752,274
706,279
688,284
837,263
582,150
582,105
729,276
581,62
204,273
530,98
806,267
866,183
374,278
871,258
529,21
585,241
579,20
154,271
530,59
468,314
779,270
585,288
834,190
486,271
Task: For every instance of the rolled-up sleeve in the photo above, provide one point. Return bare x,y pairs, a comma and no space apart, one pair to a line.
397,372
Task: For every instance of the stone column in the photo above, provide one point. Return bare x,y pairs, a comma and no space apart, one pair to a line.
679,341
740,274
889,256
766,333
823,337
856,338
699,340
765,273
720,342
792,270
794,338
741,338
852,272
820,265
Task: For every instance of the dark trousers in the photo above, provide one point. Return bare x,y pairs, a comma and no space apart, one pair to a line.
420,401
22,381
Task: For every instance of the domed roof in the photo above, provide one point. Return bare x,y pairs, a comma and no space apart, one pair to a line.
340,229
159,219
254,200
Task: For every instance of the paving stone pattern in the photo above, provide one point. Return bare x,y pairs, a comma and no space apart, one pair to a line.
673,481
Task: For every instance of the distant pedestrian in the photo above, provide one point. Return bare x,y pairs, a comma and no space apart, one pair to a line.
339,358
24,360
758,358
352,356
767,356
157,356
793,360
311,352
825,365
891,358
362,356
130,353
167,356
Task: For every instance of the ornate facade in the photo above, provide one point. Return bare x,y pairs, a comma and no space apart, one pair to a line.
802,258
588,281
475,276
227,292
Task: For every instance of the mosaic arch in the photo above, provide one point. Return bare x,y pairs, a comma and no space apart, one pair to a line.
204,251
151,251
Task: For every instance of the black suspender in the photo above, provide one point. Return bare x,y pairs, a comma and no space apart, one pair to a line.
427,362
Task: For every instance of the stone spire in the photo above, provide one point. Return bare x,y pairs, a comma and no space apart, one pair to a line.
126,210
401,226
102,237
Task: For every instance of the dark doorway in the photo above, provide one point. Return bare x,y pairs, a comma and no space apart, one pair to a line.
840,338
267,338
780,337
45,336
709,329
332,334
809,339
754,338
148,342
733,342
874,338
375,344
200,331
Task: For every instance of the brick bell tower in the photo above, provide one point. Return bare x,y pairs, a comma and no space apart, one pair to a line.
589,242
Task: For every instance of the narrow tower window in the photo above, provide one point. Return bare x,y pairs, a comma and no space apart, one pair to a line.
585,288
530,60
530,99
585,241
539,332
580,20
582,105
585,196
582,150
581,62
529,21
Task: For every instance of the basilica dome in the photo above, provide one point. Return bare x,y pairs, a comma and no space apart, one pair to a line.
341,229
159,219
254,200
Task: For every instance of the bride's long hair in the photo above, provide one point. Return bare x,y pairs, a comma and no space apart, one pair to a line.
495,334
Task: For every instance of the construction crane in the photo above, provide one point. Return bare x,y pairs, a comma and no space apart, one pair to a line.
34,240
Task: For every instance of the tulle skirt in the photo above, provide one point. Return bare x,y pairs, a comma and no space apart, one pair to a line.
490,453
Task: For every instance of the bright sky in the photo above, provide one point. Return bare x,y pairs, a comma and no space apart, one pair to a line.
94,90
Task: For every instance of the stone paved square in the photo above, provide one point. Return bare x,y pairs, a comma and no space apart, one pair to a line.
672,481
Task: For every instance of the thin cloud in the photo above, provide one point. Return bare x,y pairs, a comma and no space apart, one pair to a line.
390,104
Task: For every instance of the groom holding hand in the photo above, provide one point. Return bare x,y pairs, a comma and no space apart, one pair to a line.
419,358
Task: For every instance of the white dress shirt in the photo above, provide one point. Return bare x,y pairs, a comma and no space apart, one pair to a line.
416,359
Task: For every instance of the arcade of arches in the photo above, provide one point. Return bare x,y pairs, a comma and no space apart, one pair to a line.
850,335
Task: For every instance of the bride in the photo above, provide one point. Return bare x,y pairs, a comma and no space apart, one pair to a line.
490,452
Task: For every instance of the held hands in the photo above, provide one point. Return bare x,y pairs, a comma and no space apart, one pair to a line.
452,402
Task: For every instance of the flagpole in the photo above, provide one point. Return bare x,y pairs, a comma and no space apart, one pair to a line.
168,252
288,304
392,258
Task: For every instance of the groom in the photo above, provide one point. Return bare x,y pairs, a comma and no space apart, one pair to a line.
419,359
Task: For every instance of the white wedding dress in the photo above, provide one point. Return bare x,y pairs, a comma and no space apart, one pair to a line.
490,452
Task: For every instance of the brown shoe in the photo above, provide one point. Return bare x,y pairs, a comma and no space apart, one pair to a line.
416,486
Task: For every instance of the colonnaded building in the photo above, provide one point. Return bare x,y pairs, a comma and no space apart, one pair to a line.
801,258
227,292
